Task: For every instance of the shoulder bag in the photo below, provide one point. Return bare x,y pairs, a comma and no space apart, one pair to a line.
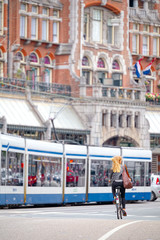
126,180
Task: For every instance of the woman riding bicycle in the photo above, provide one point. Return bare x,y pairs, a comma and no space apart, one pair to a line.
116,179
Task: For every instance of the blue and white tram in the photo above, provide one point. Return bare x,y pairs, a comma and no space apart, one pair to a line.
12,151
42,172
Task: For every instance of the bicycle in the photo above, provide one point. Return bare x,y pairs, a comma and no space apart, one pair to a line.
119,203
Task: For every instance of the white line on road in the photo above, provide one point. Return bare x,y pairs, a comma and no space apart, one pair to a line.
107,235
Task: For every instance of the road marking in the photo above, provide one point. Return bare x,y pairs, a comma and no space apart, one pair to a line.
107,235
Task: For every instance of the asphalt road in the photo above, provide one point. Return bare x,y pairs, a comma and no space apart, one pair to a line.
86,222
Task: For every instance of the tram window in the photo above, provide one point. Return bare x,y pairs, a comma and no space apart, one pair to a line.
75,174
136,172
100,173
11,168
148,174
44,171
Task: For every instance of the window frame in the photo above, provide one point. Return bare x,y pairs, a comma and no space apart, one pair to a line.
94,20
145,51
24,34
34,35
156,51
45,30
55,34
135,50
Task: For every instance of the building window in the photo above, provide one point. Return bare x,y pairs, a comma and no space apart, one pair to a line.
86,27
110,32
34,27
55,13
97,25
116,75
45,11
135,44
55,32
34,9
100,63
117,79
44,30
145,49
19,56
23,26
33,58
101,71
135,27
48,71
110,35
156,46
23,7
102,26
156,30
145,28
86,70
115,65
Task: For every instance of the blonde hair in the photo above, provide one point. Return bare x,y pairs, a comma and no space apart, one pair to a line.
116,165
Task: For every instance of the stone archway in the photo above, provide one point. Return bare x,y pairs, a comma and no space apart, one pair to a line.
121,141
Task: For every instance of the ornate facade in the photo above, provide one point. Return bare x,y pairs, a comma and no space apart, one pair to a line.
86,50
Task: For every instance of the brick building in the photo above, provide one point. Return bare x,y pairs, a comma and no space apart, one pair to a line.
85,50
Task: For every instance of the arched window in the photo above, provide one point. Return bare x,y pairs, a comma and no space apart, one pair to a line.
33,73
33,58
48,71
116,74
85,61
100,63
19,65
20,56
47,60
87,70
102,71
115,65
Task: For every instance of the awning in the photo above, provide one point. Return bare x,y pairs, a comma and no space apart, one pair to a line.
153,118
18,112
21,116
64,114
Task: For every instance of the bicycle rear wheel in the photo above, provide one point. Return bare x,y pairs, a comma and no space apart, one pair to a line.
119,211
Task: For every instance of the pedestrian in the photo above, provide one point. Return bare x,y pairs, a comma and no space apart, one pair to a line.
116,179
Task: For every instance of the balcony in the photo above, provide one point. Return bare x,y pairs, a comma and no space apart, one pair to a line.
135,13
12,85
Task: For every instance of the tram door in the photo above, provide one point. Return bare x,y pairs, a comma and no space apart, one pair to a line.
75,173
11,178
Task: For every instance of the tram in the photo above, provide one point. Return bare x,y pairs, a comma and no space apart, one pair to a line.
34,172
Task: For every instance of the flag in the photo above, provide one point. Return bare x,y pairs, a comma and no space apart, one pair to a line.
138,68
149,67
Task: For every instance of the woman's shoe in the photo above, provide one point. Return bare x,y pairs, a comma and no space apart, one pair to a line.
124,213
